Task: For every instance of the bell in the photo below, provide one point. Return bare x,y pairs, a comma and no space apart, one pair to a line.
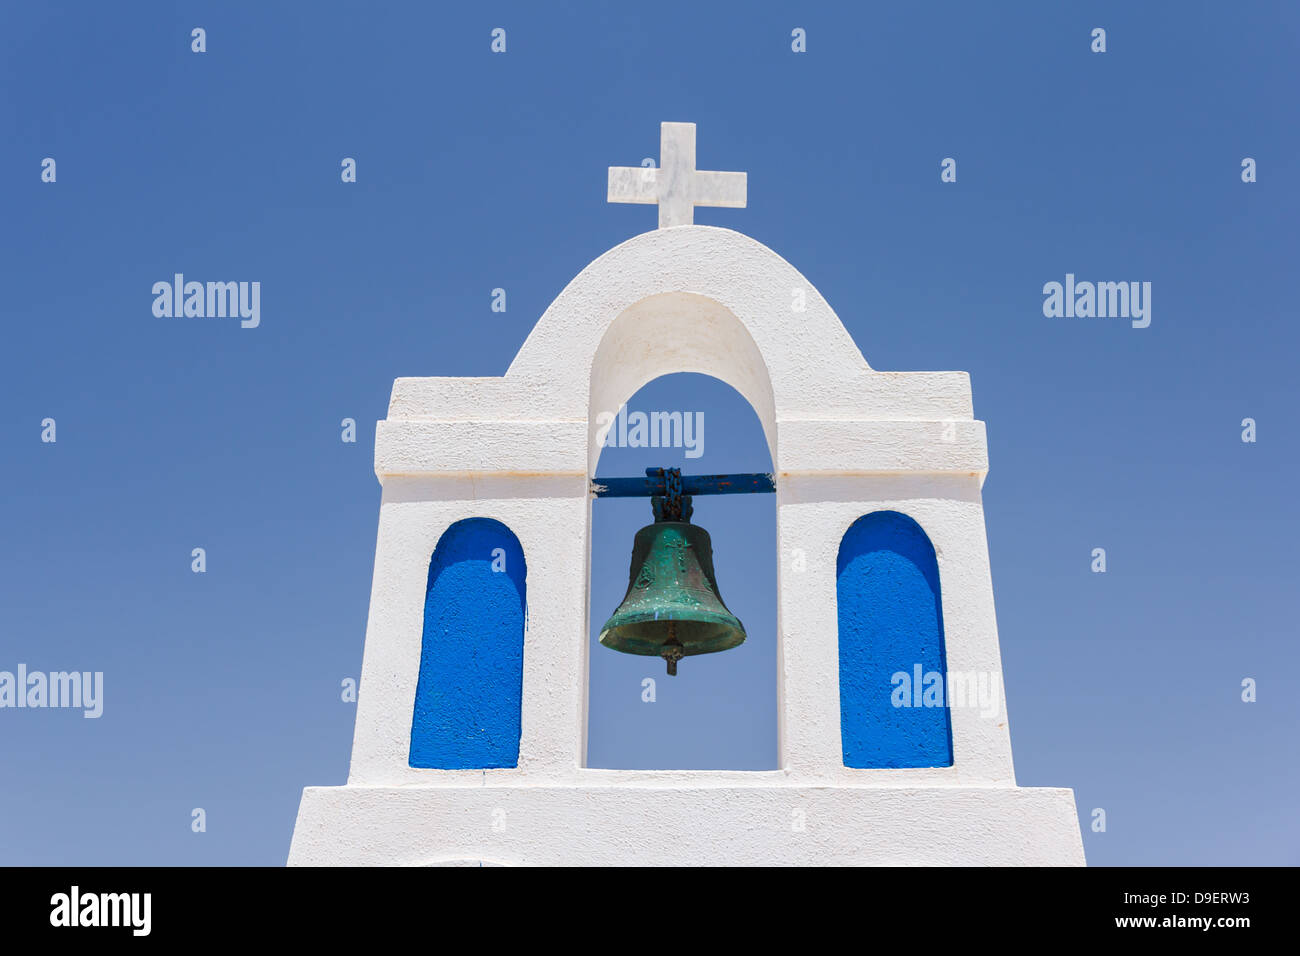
672,608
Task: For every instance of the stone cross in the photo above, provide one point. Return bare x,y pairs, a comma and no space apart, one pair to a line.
677,186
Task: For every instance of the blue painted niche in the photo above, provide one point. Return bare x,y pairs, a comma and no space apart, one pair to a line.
891,621
468,697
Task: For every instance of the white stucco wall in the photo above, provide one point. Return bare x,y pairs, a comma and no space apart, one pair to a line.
845,439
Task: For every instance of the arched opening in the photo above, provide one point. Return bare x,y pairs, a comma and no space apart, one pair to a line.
468,695
893,670
638,717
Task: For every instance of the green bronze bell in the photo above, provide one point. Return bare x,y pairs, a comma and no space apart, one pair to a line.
672,608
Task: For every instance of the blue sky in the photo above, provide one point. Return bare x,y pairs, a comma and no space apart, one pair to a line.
478,171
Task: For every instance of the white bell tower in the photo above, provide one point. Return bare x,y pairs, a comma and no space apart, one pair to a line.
518,451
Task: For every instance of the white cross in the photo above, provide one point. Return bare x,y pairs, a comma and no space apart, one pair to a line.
677,186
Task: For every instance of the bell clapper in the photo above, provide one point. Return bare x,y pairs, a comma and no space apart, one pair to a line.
672,649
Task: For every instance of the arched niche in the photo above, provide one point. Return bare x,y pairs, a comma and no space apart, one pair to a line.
469,690
893,669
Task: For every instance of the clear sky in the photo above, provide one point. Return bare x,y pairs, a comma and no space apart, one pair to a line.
478,171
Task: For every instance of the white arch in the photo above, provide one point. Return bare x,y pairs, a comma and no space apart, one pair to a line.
693,299
676,332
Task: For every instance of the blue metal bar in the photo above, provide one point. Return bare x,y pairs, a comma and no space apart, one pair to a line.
691,485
